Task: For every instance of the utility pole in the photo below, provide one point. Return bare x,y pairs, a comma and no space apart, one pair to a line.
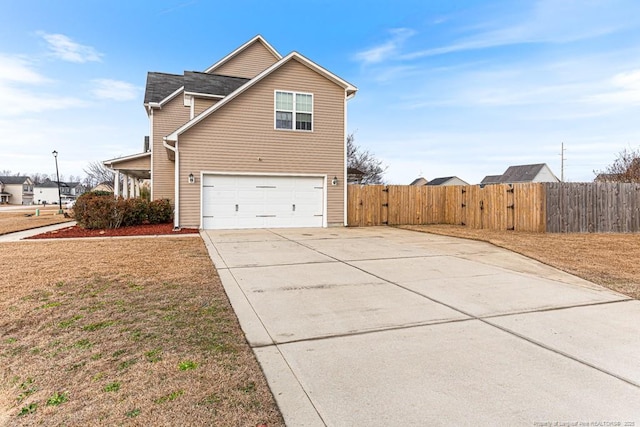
562,159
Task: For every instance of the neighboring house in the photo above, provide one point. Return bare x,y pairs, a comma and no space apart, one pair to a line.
104,186
354,176
419,181
256,140
77,189
47,191
16,190
447,180
539,172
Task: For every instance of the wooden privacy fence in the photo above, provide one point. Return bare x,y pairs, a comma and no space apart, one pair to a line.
601,207
536,207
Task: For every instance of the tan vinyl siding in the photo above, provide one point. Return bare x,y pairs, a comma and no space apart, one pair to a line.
171,116
202,104
234,137
248,63
143,163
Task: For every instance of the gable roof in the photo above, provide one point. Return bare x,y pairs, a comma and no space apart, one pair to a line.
521,173
161,85
440,181
256,39
419,181
211,84
348,87
9,180
491,179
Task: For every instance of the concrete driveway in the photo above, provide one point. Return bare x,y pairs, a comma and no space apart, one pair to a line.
380,326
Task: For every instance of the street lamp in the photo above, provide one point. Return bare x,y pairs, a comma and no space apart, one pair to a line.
55,156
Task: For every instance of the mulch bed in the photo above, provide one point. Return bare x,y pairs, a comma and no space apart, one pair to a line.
138,230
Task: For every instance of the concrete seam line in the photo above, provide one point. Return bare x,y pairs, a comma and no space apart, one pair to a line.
488,323
564,307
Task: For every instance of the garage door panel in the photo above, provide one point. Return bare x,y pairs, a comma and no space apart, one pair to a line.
262,201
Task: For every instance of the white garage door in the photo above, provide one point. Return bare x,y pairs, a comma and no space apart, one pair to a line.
237,201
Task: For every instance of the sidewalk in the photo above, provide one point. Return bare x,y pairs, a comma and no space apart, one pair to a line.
19,235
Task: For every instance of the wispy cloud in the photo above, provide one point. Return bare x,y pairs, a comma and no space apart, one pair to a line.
548,21
624,90
387,49
17,81
18,69
66,49
115,90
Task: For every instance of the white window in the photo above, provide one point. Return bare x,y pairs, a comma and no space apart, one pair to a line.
294,111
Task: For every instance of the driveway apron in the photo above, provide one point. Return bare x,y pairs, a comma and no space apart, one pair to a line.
381,326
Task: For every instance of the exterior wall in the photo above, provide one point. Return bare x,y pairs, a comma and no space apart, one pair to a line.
202,104
48,194
248,63
143,163
545,175
17,195
171,116
455,181
234,138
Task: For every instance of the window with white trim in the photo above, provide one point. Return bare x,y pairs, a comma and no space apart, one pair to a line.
294,111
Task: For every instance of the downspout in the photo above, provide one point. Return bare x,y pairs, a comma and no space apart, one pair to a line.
176,190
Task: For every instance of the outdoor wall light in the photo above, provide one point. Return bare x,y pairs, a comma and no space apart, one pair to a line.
192,179
334,181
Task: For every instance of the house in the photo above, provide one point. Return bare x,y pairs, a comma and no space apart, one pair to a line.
539,172
255,140
419,181
447,180
47,191
354,176
16,190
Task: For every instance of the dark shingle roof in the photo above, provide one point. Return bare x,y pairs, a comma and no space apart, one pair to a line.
161,85
521,173
439,181
8,180
211,84
491,179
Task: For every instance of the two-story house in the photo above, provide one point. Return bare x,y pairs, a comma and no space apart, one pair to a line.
255,140
47,191
16,190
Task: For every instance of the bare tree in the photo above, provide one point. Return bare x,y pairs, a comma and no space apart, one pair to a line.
5,172
625,168
97,173
365,162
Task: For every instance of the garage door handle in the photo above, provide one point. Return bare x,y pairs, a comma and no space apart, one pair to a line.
294,208
236,208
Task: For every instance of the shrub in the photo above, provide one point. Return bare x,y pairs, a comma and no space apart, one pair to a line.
100,209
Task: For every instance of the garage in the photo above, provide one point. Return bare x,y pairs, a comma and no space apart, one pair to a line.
266,201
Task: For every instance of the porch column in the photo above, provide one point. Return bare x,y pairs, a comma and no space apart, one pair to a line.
137,182
125,187
116,183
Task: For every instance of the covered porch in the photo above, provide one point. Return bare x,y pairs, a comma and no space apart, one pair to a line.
129,172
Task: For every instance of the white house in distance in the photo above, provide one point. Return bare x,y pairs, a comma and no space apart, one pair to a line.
16,190
47,191
538,172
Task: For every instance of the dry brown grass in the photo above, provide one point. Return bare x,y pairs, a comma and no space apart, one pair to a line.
107,324
12,221
610,260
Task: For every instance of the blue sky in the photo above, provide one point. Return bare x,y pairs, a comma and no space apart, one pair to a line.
462,88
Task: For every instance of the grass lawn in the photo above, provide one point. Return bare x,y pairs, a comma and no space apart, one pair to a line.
25,219
608,259
123,332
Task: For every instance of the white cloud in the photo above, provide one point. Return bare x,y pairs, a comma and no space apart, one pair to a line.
624,90
17,69
549,21
66,49
385,50
114,89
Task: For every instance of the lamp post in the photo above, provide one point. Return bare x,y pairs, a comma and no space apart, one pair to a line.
55,156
